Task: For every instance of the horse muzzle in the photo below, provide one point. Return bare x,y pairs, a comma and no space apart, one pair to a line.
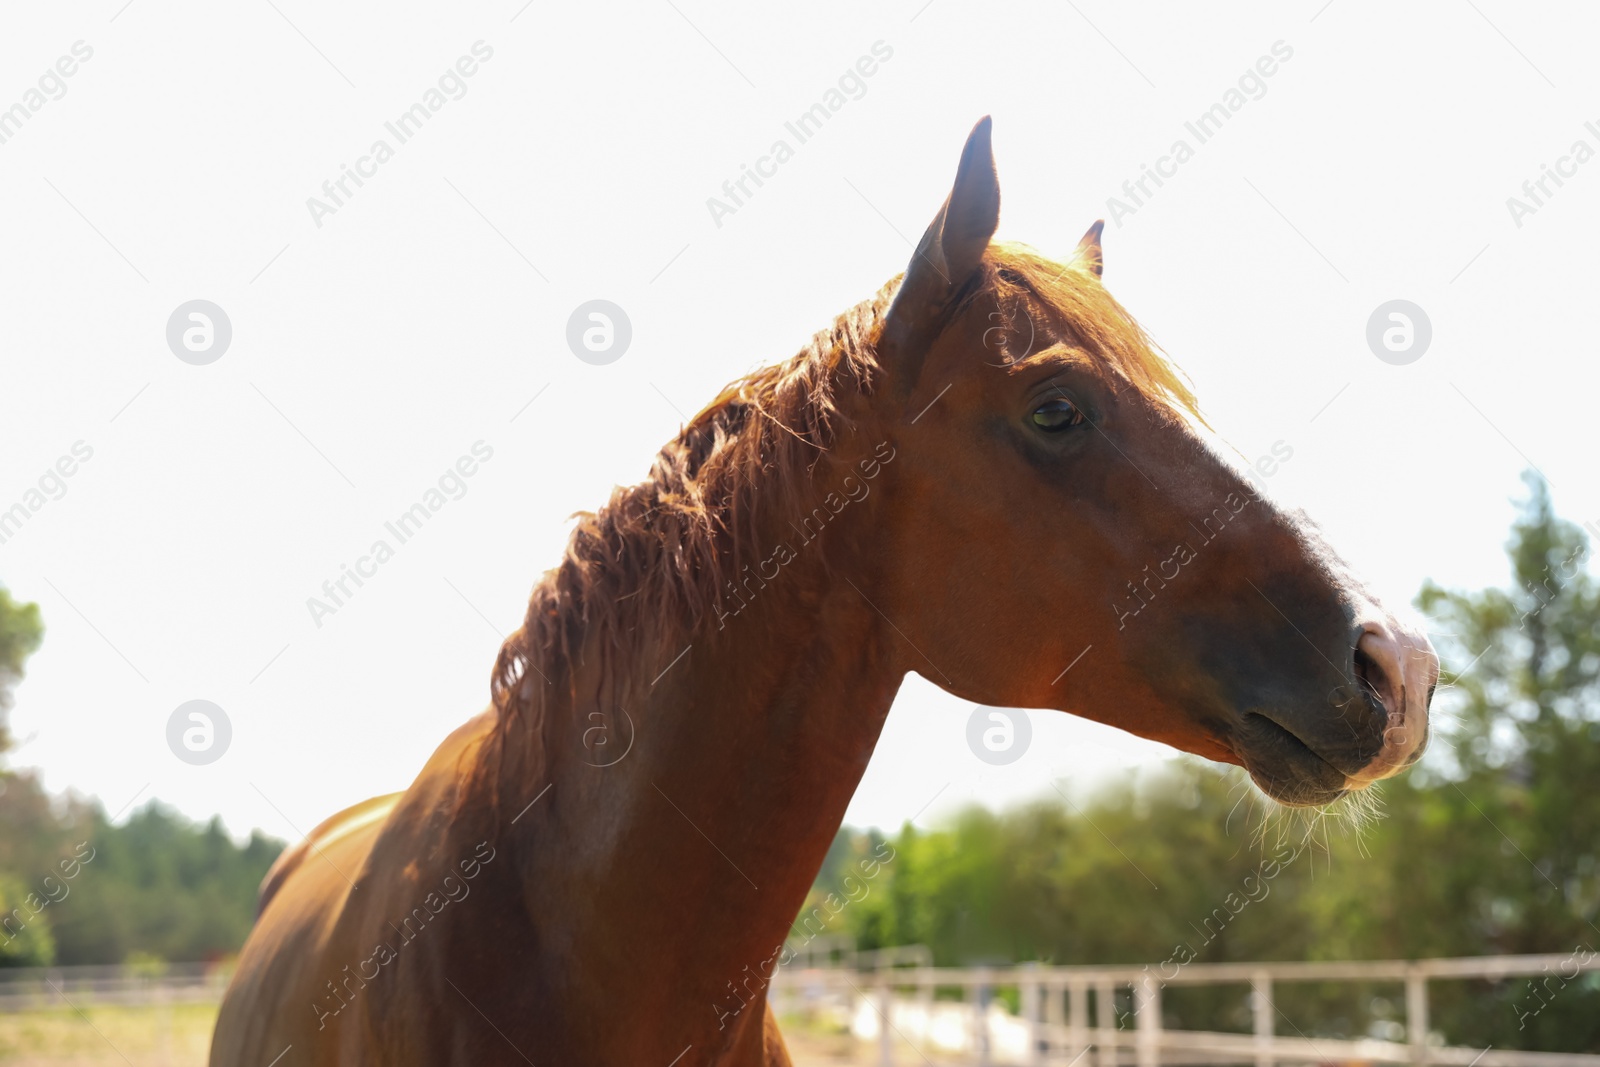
1378,724
1398,669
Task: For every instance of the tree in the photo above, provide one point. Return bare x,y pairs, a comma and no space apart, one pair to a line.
21,630
76,889
25,939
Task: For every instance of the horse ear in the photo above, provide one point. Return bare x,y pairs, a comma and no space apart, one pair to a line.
1088,256
950,250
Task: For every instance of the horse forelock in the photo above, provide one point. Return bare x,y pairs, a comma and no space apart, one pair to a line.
1117,344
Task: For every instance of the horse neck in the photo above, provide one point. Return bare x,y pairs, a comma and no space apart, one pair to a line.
699,845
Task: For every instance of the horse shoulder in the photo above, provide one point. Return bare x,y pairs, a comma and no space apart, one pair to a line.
370,814
334,828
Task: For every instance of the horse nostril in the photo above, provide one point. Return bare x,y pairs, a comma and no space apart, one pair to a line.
1378,671
1398,668
1365,670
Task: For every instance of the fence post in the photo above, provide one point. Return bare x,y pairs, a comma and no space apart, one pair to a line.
1105,1015
1262,1010
1052,989
1147,1017
1077,1018
1417,1013
925,998
1031,1007
980,1018
885,1006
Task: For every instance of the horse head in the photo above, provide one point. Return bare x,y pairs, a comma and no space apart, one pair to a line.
1060,530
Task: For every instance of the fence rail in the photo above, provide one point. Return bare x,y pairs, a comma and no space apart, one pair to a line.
1054,1026
898,988
33,988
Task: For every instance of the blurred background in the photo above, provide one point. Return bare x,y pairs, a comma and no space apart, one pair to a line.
1490,847
175,506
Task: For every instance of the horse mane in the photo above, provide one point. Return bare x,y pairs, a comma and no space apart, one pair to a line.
641,573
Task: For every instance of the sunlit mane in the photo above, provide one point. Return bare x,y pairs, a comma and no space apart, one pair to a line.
1094,318
645,570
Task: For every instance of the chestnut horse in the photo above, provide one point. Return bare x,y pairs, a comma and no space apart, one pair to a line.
977,474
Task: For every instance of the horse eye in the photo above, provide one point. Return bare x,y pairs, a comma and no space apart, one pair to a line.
1054,416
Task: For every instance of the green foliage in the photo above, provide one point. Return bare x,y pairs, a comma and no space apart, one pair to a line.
21,630
158,887
24,940
1490,846
75,889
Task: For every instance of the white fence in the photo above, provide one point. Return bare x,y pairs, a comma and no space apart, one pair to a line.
32,988
897,1007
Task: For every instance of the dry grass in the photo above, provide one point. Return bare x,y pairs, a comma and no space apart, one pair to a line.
180,1036
176,1035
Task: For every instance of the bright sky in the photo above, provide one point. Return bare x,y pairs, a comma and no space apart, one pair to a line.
374,345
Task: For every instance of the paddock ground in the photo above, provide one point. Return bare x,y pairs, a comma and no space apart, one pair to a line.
179,1036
